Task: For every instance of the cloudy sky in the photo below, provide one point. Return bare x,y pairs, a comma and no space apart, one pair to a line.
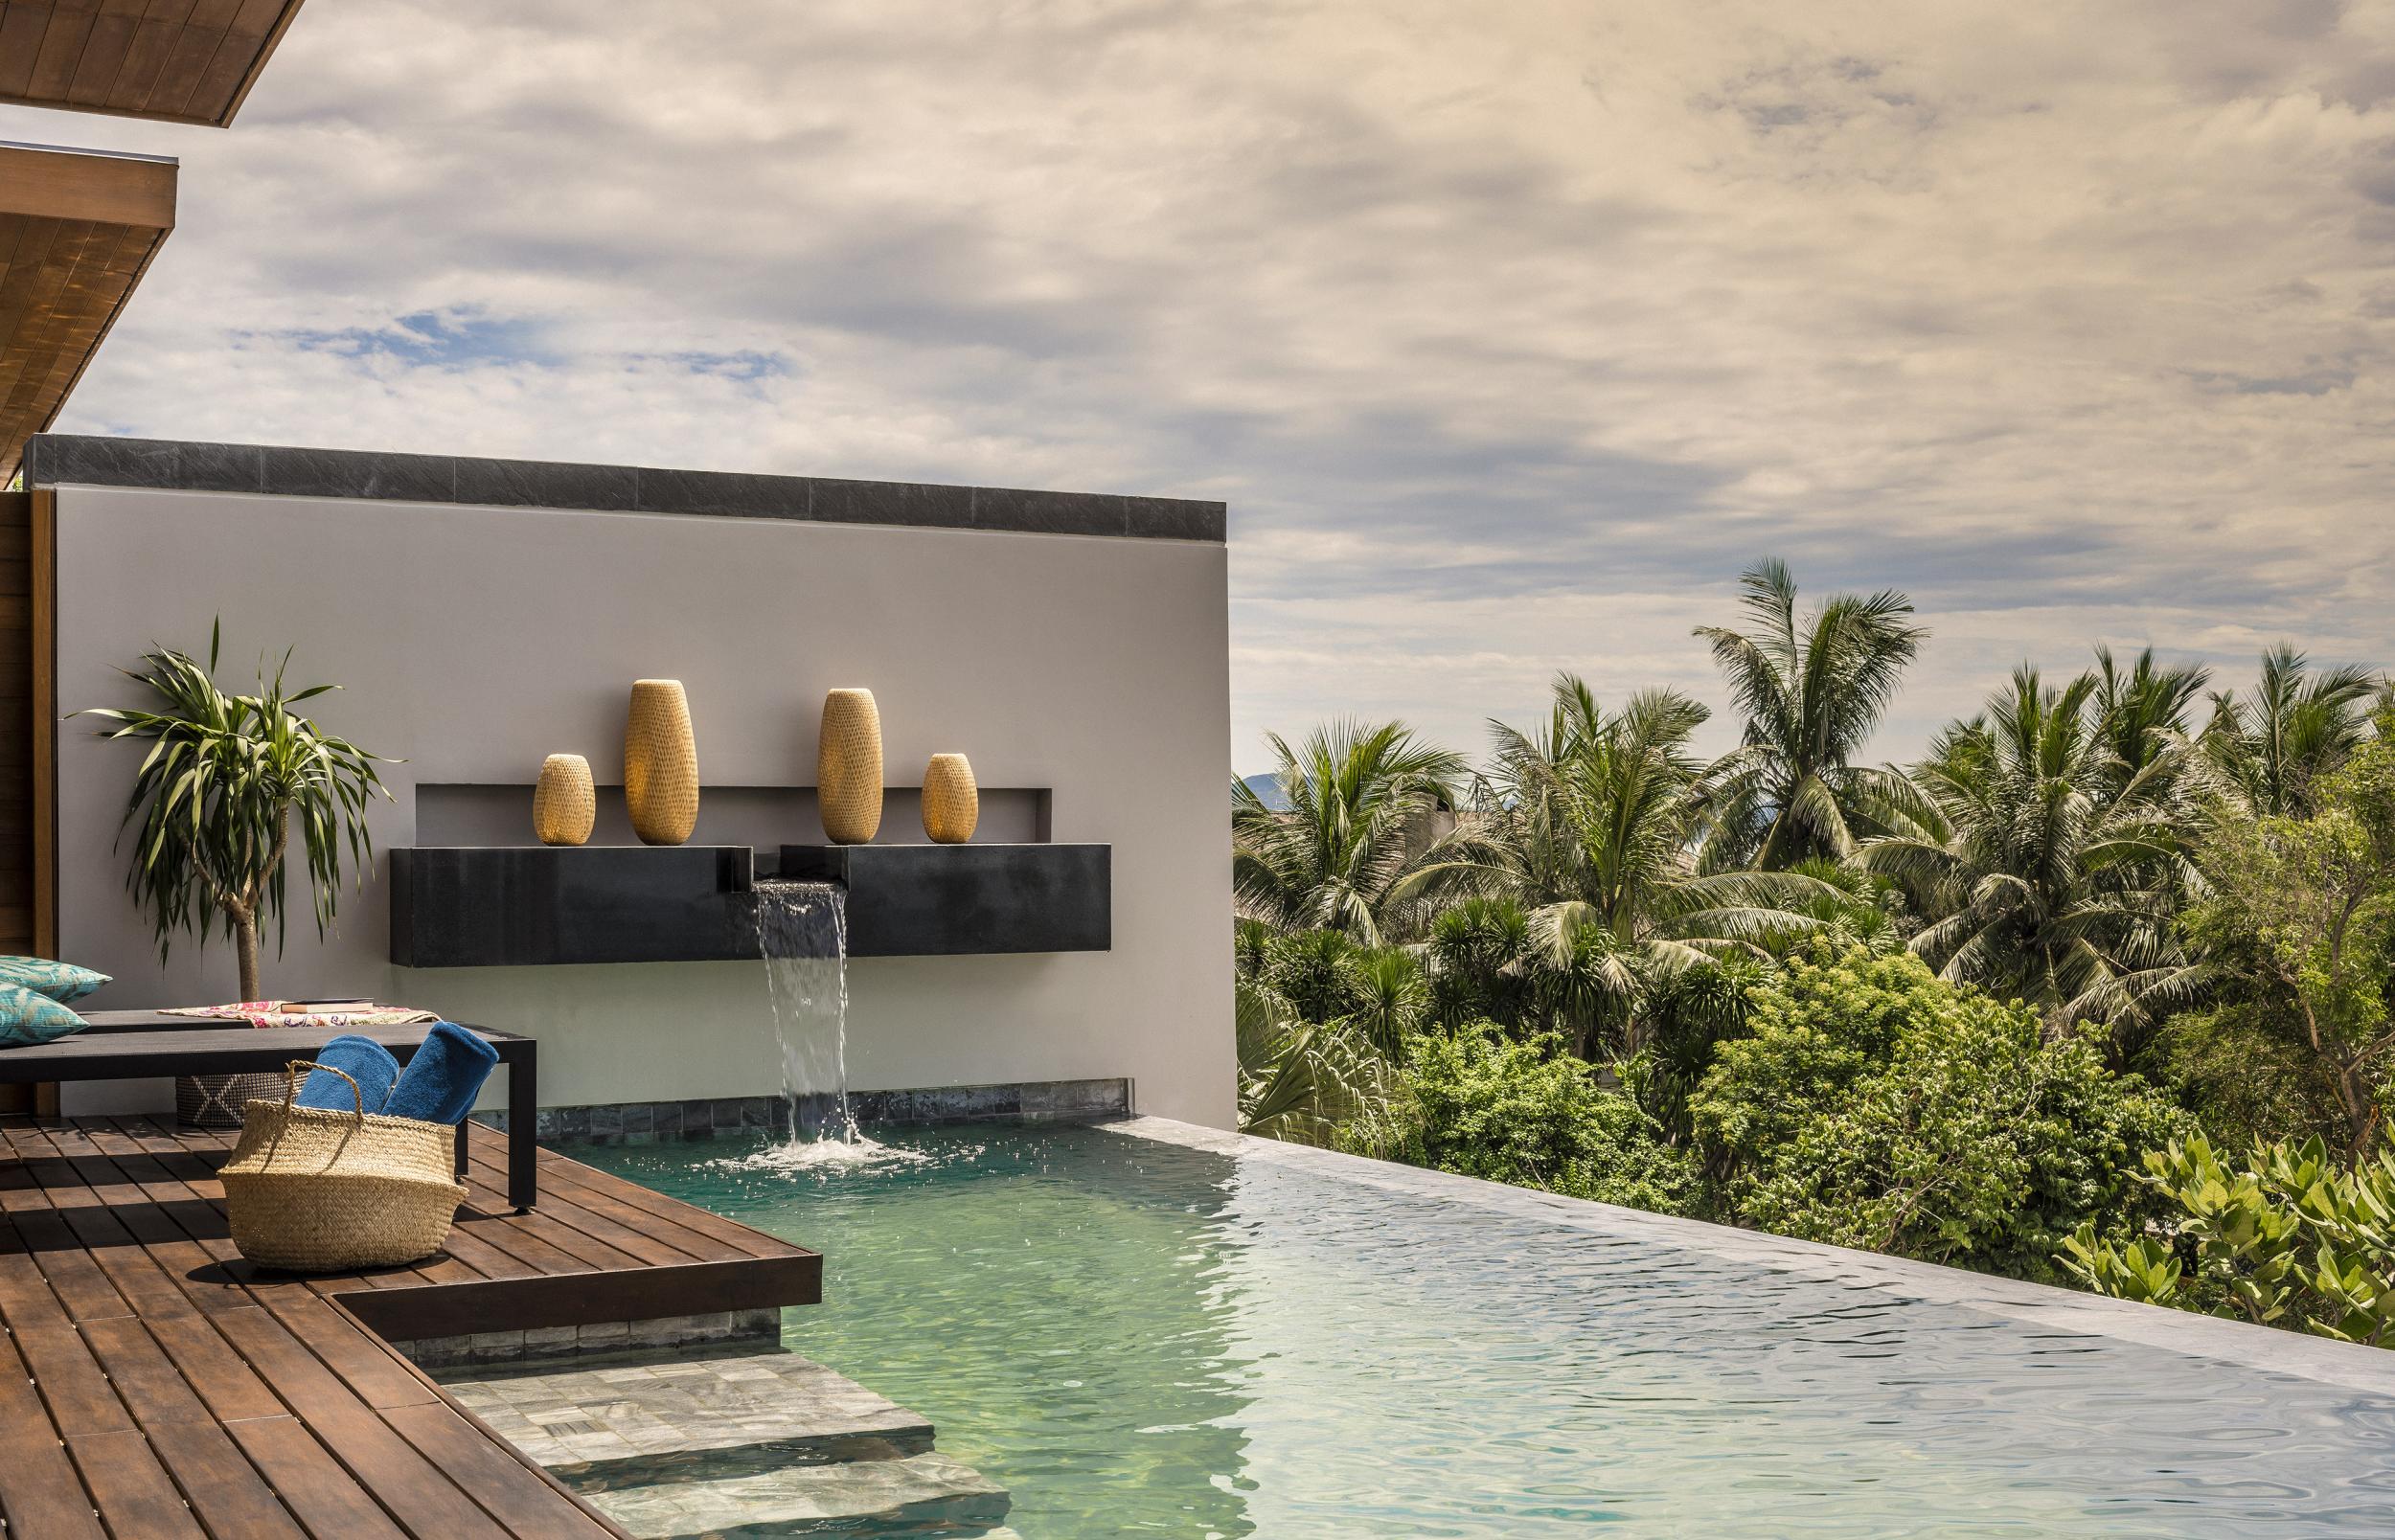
1510,331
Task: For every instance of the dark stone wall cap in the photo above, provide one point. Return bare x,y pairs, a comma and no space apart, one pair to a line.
72,458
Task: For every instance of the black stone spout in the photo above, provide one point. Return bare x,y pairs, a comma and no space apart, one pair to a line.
493,906
936,900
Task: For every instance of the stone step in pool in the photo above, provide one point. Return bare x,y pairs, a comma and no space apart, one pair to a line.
731,1442
633,1419
932,1491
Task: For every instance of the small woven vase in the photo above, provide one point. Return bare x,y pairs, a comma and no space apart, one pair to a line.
660,764
848,767
951,800
564,803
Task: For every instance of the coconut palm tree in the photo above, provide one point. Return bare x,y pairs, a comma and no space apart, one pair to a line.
2048,868
1590,825
1356,847
2142,709
1810,694
2298,725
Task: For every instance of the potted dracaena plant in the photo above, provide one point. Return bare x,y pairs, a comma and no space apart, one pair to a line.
229,784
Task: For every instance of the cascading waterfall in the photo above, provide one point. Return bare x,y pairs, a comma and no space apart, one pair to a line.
802,934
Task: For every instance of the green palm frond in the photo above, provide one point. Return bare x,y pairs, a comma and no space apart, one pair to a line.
227,783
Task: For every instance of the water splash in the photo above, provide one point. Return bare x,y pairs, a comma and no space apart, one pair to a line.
802,934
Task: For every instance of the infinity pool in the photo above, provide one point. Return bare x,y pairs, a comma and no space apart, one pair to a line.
1139,1337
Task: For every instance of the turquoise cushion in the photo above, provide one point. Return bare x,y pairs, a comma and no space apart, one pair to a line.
59,980
27,1018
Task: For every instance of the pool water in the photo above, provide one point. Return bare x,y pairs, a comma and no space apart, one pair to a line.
1140,1337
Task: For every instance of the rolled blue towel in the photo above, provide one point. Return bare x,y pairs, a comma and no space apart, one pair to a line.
362,1060
441,1082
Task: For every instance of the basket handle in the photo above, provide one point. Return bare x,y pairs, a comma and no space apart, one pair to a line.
290,1083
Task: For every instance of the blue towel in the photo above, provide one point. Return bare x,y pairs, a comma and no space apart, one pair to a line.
362,1060
441,1082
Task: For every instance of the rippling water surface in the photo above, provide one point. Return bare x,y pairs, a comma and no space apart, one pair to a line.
1136,1338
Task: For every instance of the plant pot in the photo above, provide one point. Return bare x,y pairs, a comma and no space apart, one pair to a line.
565,803
216,1101
952,800
660,764
848,767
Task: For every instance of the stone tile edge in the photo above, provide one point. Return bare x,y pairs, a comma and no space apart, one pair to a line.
1103,1099
2264,1348
171,465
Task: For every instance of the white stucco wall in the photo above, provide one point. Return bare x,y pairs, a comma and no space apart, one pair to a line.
473,641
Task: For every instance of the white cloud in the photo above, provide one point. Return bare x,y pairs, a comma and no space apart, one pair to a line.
1509,332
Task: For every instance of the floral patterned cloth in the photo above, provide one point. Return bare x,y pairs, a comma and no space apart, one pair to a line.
271,1013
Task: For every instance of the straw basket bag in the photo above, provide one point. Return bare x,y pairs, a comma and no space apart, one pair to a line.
315,1191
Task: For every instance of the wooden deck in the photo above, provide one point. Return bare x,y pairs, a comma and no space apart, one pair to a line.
153,1384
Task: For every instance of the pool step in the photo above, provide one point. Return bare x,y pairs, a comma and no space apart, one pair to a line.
721,1415
931,1494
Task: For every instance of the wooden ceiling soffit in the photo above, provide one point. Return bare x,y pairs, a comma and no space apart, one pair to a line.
171,60
78,229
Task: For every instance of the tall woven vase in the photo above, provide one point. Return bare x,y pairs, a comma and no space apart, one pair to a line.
660,764
848,767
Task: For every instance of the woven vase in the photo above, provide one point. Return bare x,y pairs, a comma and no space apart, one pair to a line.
848,767
951,800
564,803
660,764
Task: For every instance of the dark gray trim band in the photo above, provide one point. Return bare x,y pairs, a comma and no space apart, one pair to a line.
71,459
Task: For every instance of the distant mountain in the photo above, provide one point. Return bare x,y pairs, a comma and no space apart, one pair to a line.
1267,787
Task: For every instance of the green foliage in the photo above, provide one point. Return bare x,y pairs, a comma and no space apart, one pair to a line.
1874,1105
2243,1071
1476,950
1302,1080
1589,825
2290,1239
2301,912
1352,852
1483,1104
2045,865
2275,744
215,797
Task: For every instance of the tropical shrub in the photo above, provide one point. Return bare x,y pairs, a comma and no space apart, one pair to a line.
1480,1103
2242,1069
1872,1104
2301,916
2289,1238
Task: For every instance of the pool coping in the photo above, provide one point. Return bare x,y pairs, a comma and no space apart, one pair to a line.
2296,1354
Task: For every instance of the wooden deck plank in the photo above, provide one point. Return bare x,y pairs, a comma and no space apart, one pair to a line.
222,1486
747,1239
606,1218
40,1493
149,1371
153,1389
128,1484
446,1438
222,1377
312,1484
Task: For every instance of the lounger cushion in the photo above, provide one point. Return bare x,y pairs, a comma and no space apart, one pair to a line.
27,1018
61,982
